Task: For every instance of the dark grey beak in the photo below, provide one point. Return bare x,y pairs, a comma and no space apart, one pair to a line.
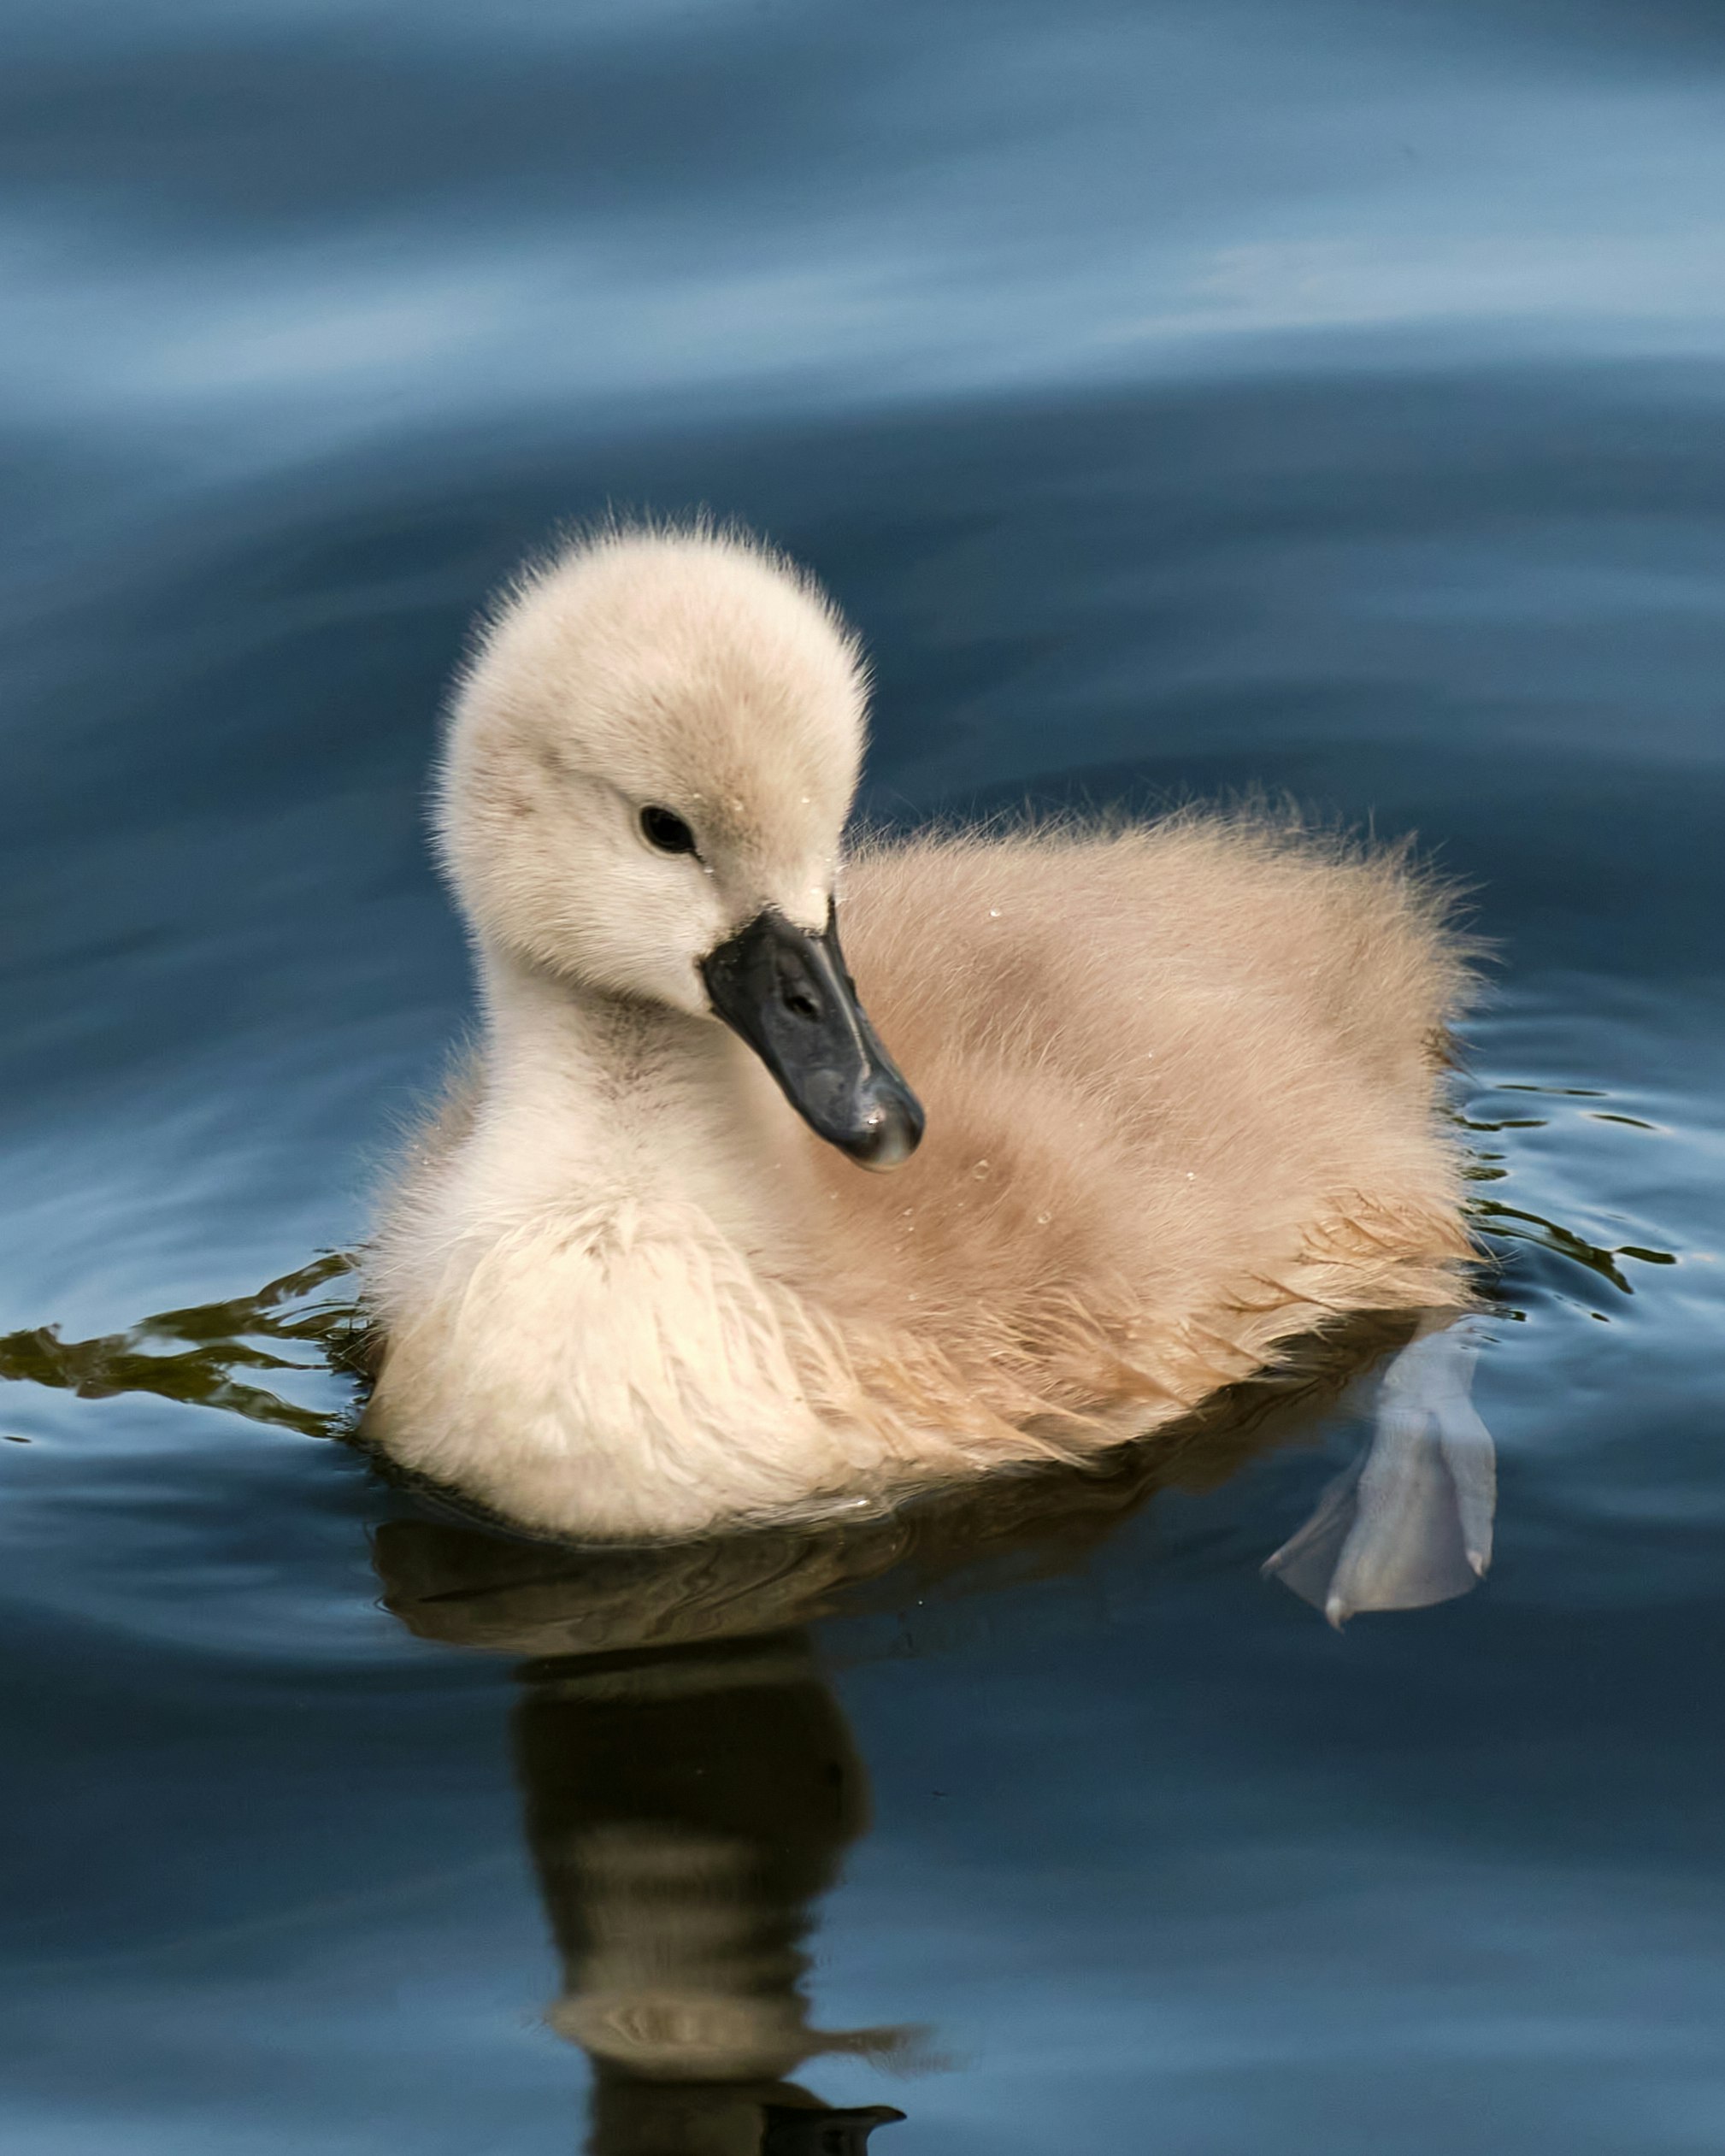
785,990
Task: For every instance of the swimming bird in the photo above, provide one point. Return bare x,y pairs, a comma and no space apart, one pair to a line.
1143,1101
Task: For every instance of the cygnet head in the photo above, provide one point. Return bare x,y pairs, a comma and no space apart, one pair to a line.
649,763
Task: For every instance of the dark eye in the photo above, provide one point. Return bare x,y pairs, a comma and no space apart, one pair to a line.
664,828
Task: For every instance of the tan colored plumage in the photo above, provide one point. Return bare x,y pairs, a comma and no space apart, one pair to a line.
1180,1082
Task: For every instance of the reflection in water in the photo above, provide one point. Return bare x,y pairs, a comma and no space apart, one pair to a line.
685,1811
685,1807
1515,1225
209,1356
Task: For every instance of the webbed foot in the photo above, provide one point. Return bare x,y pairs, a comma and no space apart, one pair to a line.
1410,1523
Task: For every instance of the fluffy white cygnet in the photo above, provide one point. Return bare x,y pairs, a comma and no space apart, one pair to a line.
1180,1082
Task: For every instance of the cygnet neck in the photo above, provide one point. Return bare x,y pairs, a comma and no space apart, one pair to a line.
594,1096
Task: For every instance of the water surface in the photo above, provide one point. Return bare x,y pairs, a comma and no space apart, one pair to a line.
1313,398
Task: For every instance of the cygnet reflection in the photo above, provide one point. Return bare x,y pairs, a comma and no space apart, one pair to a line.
686,1808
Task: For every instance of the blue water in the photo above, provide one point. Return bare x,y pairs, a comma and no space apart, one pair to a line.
1321,397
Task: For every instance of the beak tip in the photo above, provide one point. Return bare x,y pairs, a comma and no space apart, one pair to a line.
890,1132
882,1155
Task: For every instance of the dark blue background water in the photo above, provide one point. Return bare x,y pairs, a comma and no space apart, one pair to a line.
1321,395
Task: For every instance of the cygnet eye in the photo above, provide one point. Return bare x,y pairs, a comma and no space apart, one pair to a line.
665,829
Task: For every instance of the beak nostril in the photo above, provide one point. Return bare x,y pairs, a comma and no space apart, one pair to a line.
801,1005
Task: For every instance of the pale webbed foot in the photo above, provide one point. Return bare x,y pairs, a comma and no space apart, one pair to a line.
1410,1523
